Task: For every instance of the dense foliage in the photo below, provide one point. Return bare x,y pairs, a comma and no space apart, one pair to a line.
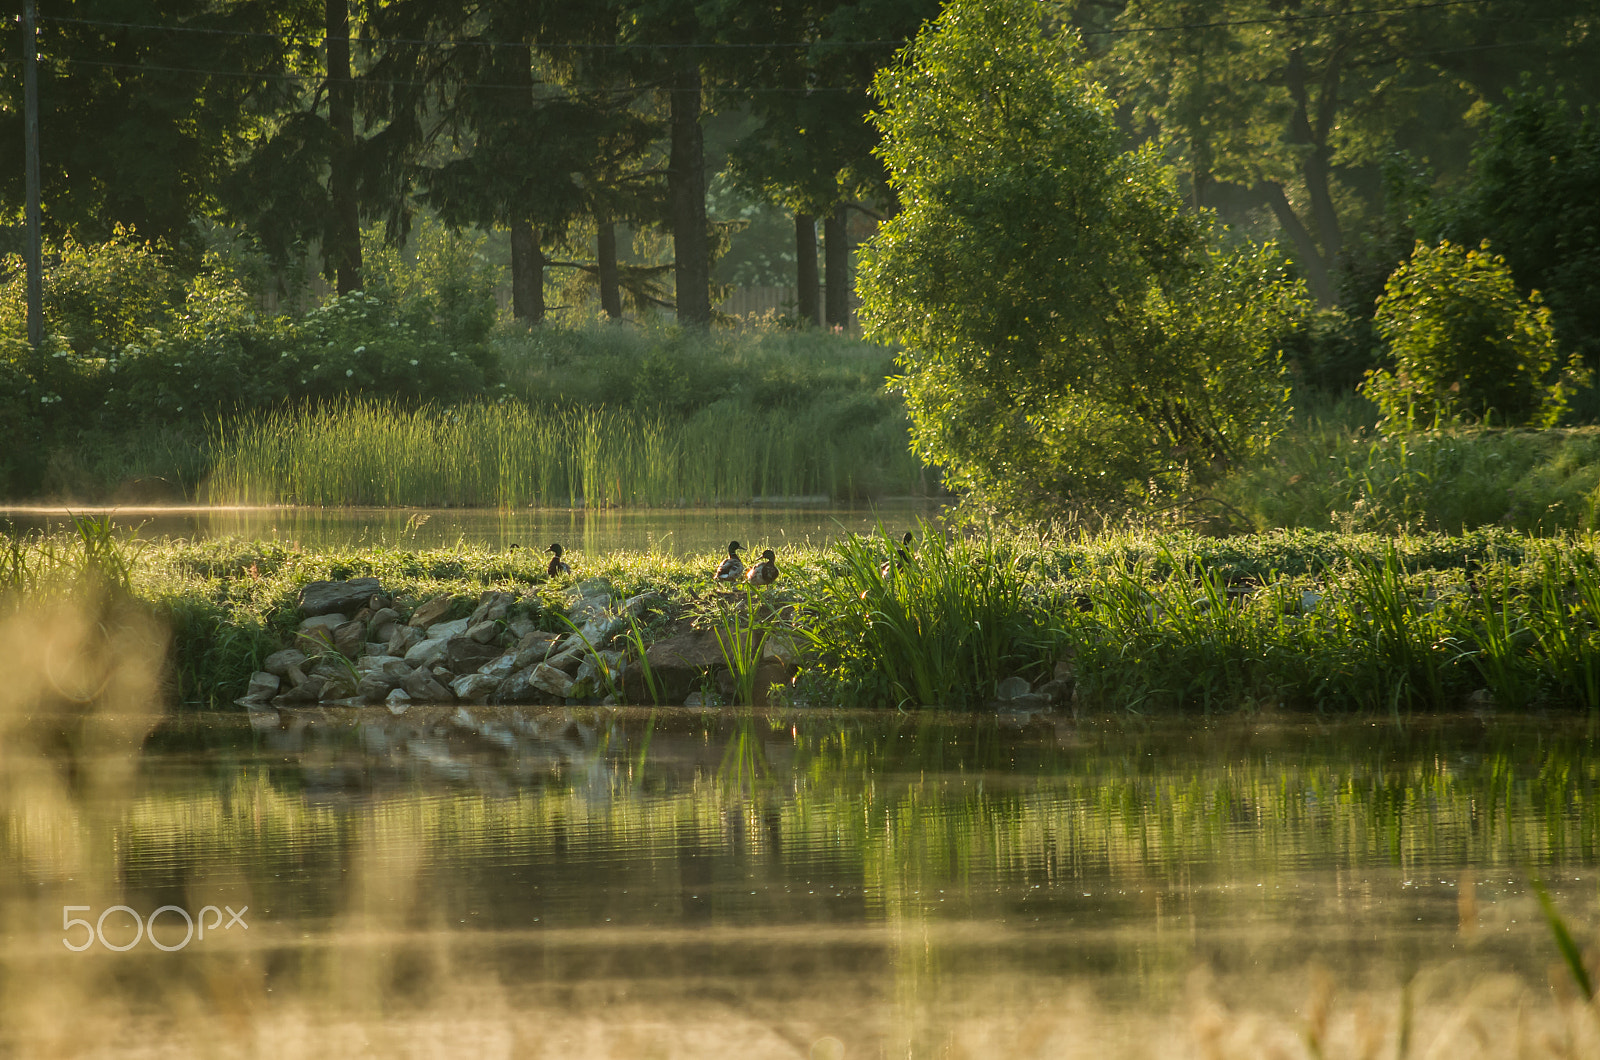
1465,344
1072,337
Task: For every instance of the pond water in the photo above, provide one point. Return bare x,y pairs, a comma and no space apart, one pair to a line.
546,882
679,531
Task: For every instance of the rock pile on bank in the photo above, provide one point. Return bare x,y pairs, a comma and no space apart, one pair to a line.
356,645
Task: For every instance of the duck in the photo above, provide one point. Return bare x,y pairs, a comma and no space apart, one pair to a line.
556,565
900,558
765,572
731,568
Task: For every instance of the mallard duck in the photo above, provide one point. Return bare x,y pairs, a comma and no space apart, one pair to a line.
556,566
731,568
900,558
765,572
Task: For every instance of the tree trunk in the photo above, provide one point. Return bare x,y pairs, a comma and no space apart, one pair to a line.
805,256
1315,165
527,274
836,251
606,254
342,243
686,195
1308,255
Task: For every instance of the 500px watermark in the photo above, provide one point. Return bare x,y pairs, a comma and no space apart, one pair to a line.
96,931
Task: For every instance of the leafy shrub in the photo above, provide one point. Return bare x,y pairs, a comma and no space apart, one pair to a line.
96,297
1466,345
1072,335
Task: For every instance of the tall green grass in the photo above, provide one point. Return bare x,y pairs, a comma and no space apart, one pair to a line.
513,455
1331,472
940,627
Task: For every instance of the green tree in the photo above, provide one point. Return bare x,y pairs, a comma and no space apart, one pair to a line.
144,105
1071,336
1293,106
1535,194
1466,344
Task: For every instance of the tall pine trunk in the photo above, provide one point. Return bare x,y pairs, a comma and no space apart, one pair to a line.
686,194
527,274
805,256
836,260
342,241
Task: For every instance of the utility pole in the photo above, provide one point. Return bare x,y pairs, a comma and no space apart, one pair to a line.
30,136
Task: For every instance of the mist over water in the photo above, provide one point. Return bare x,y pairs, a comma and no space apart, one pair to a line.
671,882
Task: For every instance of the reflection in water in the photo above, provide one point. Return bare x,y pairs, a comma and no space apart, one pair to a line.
674,531
680,883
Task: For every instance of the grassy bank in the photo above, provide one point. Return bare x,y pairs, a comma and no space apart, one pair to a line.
1332,470
1303,620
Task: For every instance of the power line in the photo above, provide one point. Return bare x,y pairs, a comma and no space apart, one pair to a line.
248,76
478,42
313,38
1318,17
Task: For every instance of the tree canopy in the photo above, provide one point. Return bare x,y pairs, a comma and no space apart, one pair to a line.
1073,334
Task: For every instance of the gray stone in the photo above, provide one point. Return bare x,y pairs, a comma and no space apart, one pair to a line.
474,688
678,664
520,626
339,686
375,662
280,662
398,701
568,661
492,607
421,687
463,654
374,686
535,637
306,691
350,638
548,679
374,647
1011,688
326,598
519,688
263,686
402,640
430,612
484,632
382,624
425,653
446,630
502,666
329,622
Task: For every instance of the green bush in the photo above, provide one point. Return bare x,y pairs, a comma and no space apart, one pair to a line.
98,297
1466,345
1073,336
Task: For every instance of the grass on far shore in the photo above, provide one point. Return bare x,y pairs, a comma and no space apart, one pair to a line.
1300,620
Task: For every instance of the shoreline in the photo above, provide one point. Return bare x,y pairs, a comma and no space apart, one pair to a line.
1296,621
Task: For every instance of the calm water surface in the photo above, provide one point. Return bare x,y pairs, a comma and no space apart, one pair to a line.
674,883
677,531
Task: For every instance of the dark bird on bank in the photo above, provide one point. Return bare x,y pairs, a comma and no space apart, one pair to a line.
765,572
556,566
900,558
731,568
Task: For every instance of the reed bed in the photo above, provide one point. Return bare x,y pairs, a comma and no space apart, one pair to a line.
375,453
1322,622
